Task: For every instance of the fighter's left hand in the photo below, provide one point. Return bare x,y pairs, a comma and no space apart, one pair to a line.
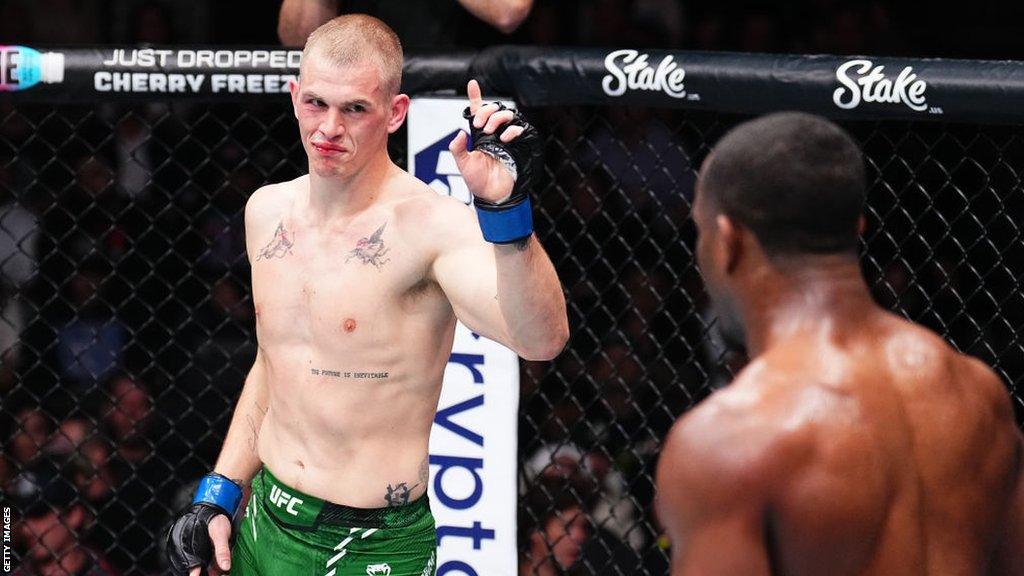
485,176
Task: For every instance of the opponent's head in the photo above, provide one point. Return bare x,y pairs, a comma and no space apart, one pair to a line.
346,99
777,190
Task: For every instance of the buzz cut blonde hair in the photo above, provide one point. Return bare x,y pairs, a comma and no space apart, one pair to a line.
354,39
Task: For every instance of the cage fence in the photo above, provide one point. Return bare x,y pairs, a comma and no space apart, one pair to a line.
127,326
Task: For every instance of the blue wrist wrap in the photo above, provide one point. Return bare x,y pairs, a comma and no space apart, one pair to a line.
219,490
504,225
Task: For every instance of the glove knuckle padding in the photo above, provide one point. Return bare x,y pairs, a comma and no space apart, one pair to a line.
524,151
188,540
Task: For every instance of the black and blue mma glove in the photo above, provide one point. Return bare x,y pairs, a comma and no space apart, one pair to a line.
509,221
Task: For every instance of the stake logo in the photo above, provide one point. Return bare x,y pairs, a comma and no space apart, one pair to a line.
863,81
629,70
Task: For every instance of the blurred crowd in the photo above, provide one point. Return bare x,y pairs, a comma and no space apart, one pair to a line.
126,327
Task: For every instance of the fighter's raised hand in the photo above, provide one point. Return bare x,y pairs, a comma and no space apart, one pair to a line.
500,167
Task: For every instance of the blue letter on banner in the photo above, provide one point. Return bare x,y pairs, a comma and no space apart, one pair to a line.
470,464
442,419
470,361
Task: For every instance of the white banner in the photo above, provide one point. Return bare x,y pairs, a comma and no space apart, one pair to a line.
472,490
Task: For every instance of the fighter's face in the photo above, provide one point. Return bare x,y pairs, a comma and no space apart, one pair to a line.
344,114
713,259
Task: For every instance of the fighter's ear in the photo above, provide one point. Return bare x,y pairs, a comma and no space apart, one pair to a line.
399,108
293,88
730,242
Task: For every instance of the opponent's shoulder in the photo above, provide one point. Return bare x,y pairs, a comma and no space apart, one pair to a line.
974,370
975,374
268,203
746,435
919,355
914,344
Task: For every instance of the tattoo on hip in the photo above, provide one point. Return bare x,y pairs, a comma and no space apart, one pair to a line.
398,494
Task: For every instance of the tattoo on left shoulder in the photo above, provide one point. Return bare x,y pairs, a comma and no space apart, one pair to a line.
279,246
398,494
371,249
522,244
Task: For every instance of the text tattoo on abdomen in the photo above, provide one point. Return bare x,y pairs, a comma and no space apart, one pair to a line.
347,374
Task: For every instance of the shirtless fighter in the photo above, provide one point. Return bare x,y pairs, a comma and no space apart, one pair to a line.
855,442
359,271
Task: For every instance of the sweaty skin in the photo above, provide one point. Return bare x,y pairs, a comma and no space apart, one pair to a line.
869,449
854,443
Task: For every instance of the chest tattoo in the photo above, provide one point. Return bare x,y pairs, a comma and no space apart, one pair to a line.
371,249
278,247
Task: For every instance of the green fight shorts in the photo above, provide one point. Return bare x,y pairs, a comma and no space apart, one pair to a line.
285,532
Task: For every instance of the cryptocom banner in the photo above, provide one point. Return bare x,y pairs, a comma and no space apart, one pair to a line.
868,87
473,459
473,442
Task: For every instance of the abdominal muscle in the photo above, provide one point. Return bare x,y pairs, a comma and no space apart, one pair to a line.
358,439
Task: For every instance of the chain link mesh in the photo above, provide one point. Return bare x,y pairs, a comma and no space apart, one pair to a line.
127,327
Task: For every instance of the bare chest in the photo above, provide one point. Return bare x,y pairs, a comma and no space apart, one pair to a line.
309,285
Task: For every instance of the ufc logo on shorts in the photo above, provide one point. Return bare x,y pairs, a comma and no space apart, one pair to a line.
280,498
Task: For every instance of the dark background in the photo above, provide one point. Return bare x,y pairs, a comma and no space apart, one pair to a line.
980,29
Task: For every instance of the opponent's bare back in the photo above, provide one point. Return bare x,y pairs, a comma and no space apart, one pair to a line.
854,443
870,448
